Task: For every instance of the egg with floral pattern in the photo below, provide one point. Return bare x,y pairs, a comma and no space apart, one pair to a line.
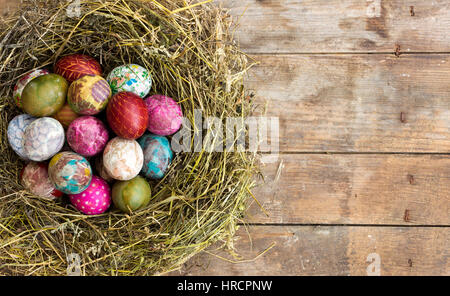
43,138
69,172
22,82
123,158
164,115
87,135
132,78
95,200
16,133
131,195
34,177
157,155
75,66
89,95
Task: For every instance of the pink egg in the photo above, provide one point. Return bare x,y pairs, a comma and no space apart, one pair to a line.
95,200
165,115
87,135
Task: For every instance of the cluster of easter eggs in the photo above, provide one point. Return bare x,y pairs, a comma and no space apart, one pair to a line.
62,132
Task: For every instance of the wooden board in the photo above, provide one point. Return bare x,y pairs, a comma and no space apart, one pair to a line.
331,250
317,26
355,189
356,103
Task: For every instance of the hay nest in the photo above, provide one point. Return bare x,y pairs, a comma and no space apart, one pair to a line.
190,52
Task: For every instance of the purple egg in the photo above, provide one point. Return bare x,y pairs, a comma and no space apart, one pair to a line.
87,136
164,115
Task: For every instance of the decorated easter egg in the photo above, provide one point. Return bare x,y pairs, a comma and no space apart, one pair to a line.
157,155
87,135
132,78
20,85
89,95
44,95
43,138
95,200
16,133
131,195
75,66
127,115
65,115
69,172
123,158
100,168
164,115
34,177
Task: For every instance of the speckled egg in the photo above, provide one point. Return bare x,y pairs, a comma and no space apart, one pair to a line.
44,95
127,115
123,158
34,177
101,171
164,115
132,78
75,66
65,115
157,155
131,195
43,138
16,133
95,200
89,95
69,172
20,85
87,135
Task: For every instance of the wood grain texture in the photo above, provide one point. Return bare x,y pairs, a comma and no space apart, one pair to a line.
312,26
331,250
355,189
357,103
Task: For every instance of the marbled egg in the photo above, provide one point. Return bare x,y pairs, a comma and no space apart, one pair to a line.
157,155
65,115
20,85
16,133
95,200
87,135
132,78
89,95
44,95
75,66
123,158
69,172
43,138
101,171
164,115
34,177
131,195
127,115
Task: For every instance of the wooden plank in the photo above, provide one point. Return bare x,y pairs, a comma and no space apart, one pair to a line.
374,189
357,103
331,250
311,26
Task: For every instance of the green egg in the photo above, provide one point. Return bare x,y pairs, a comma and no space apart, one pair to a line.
44,95
131,195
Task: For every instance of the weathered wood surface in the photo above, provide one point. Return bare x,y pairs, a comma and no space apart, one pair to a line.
355,189
357,103
331,250
316,26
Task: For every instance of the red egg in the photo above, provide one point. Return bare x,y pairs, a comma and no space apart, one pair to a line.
127,115
73,67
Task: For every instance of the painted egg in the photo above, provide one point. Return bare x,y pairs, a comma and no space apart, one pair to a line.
43,138
44,95
131,195
127,115
100,168
123,159
95,200
20,85
132,78
16,133
34,177
75,66
65,115
89,95
157,155
69,172
87,135
164,115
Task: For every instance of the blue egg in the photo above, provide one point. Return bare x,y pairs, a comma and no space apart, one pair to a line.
16,131
157,155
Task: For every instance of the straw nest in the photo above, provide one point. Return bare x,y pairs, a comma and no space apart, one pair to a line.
190,52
